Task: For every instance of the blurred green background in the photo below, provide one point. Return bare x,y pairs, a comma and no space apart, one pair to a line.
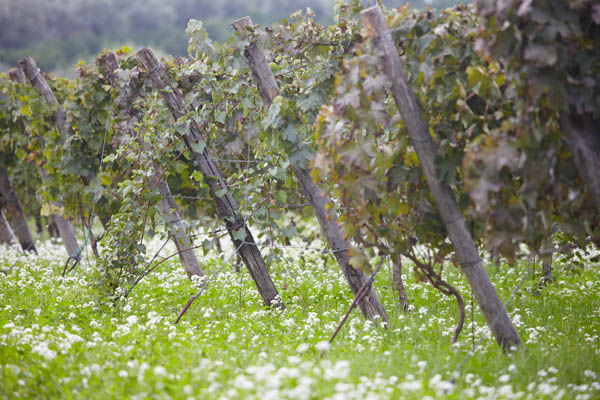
58,33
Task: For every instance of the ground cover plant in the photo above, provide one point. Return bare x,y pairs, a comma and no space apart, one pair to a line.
58,339
311,166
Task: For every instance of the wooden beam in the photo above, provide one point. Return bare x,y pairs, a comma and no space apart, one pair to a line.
418,132
7,235
219,190
370,305
170,212
37,80
15,214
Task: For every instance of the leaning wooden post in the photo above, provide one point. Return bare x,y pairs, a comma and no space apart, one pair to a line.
370,305
219,190
15,214
418,132
397,278
6,233
171,214
33,74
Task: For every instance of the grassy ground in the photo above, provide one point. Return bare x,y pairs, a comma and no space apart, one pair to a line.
58,341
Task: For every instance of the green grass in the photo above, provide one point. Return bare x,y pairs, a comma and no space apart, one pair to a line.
57,340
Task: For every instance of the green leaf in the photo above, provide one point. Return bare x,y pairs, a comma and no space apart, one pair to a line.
197,176
208,244
273,120
25,110
198,146
290,134
281,196
239,234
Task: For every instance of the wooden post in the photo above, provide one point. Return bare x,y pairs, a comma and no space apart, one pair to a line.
170,212
219,190
418,132
37,80
32,72
15,214
370,305
397,276
6,233
547,274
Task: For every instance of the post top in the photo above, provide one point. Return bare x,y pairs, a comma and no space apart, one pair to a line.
147,58
145,51
17,75
27,61
108,60
374,20
240,24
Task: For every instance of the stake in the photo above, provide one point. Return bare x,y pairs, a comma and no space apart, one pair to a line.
370,305
219,190
359,296
418,132
170,212
33,74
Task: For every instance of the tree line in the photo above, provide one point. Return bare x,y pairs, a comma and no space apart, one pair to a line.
58,34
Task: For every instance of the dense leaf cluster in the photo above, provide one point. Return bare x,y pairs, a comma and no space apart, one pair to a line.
497,135
523,175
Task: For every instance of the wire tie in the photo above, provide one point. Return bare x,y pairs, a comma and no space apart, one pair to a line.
156,68
37,73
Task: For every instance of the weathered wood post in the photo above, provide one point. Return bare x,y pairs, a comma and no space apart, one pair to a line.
547,274
171,214
398,282
15,214
6,233
418,132
219,190
370,305
33,74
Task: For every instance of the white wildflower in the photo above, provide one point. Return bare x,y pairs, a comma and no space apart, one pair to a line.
506,391
439,385
410,385
322,345
294,360
43,350
302,348
589,374
241,382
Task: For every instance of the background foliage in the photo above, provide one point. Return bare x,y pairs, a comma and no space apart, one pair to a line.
58,33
